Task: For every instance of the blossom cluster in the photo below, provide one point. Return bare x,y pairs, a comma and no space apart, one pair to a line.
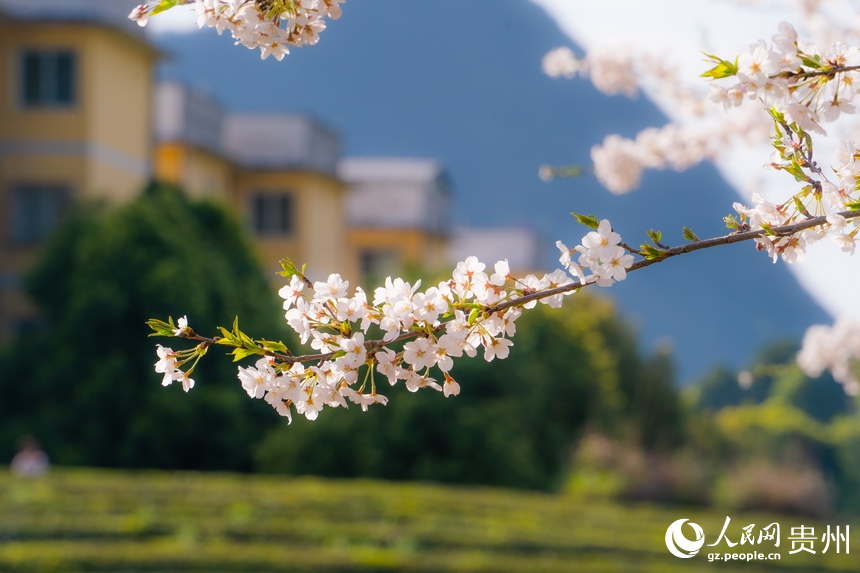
619,161
823,196
170,362
808,85
611,68
801,85
835,348
473,311
601,253
273,26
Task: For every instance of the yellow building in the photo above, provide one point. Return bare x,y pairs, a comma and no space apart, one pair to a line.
364,218
80,117
398,214
74,122
276,171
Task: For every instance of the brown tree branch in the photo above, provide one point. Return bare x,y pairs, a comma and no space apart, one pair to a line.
376,344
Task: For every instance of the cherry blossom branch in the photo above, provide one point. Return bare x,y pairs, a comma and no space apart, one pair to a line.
376,344
370,345
272,26
473,310
784,231
829,72
810,85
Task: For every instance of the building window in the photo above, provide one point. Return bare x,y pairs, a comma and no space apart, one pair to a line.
36,211
48,78
272,213
377,263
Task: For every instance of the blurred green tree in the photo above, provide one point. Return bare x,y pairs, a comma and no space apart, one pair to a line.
83,381
773,376
782,423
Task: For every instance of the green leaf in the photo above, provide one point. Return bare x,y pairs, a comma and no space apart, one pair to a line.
548,173
273,346
690,235
731,222
853,206
473,316
778,118
807,140
723,69
242,340
801,133
651,253
813,62
781,148
240,353
587,220
289,268
768,230
163,6
227,338
247,341
159,327
655,236
795,169
277,7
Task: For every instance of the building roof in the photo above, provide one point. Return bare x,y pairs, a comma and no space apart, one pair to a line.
280,141
251,140
519,245
187,115
396,193
110,13
389,169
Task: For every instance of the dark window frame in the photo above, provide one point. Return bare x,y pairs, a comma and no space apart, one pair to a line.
272,213
377,262
32,219
48,78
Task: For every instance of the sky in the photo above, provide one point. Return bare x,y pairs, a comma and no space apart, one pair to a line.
469,93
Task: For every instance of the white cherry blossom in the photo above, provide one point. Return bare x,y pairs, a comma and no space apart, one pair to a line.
166,364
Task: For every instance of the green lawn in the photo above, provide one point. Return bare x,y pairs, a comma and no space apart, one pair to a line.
96,520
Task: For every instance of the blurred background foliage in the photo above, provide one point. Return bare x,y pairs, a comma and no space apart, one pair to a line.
83,380
577,407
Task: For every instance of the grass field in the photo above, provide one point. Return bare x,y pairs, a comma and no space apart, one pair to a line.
95,520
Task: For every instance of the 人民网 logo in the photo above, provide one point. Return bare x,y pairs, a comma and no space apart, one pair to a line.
679,545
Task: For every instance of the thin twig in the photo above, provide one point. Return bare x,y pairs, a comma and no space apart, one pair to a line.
830,72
